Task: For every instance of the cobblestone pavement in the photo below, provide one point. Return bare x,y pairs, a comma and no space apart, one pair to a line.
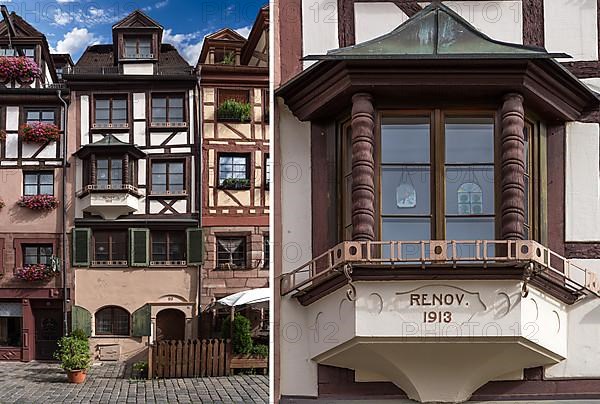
111,383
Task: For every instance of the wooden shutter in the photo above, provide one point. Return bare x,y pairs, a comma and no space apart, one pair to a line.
142,324
81,247
139,247
195,246
81,319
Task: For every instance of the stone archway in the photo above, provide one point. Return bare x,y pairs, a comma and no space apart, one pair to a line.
170,325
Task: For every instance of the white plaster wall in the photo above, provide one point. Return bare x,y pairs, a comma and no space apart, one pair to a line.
139,133
192,109
571,27
85,119
298,372
583,330
582,182
319,27
12,139
593,83
375,19
142,172
49,151
12,118
139,69
139,105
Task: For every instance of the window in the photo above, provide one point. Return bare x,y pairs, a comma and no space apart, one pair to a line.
225,56
112,320
233,171
167,108
266,111
267,172
11,325
423,198
266,251
59,72
38,183
109,173
168,246
110,247
231,252
110,113
36,115
168,177
241,96
18,51
37,254
138,48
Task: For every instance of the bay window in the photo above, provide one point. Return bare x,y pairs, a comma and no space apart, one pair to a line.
109,173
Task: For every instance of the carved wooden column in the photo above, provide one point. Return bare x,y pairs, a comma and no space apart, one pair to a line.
363,168
513,167
125,169
93,169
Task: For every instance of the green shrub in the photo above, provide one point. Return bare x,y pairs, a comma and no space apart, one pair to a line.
229,59
80,334
73,353
141,366
260,350
242,334
235,110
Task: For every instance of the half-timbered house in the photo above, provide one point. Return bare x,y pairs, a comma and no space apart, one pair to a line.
33,290
136,241
234,81
440,182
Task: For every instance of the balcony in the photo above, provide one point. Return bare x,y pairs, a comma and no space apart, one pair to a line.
438,318
109,202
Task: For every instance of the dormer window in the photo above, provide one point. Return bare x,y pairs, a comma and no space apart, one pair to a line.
138,48
225,56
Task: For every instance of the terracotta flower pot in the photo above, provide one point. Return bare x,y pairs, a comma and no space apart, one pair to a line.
76,376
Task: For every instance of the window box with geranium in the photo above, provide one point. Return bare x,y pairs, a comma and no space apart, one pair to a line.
36,272
19,68
39,202
235,183
39,132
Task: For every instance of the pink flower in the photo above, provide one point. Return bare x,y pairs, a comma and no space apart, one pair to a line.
35,272
38,202
19,68
39,132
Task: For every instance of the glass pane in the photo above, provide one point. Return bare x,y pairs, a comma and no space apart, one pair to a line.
102,116
406,229
225,160
159,102
159,114
406,190
469,140
470,228
176,114
46,178
119,115
405,140
102,163
46,189
30,190
48,116
31,179
176,102
158,168
176,168
102,104
469,190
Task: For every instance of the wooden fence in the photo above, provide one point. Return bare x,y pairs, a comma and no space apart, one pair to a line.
191,358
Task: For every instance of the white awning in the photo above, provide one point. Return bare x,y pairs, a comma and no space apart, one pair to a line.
252,296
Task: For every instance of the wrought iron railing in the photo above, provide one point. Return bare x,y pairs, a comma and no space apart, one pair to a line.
452,253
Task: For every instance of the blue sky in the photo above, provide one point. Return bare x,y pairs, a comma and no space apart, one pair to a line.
71,25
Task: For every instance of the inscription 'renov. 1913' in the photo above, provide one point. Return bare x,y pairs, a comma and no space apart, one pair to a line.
438,304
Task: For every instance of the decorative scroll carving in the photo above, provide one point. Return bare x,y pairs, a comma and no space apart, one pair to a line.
513,167
363,168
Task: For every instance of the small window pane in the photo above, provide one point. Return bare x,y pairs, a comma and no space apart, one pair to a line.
30,190
470,191
48,116
176,168
176,102
159,168
46,179
102,104
469,140
159,102
406,229
405,140
405,190
46,189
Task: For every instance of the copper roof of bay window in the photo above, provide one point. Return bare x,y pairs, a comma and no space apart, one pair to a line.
436,32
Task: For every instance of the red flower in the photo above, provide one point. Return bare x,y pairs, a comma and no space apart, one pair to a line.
20,68
38,202
35,272
39,132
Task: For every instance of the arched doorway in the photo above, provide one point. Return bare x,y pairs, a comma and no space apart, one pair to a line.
170,324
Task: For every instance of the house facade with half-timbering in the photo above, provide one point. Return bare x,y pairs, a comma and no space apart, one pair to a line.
234,105
33,212
438,201
136,240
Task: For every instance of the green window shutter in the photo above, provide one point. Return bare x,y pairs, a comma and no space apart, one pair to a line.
139,247
195,246
81,319
141,323
81,247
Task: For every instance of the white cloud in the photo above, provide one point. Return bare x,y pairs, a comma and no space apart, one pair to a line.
75,41
244,31
62,17
189,45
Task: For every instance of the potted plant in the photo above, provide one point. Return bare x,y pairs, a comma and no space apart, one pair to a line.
74,354
38,202
236,183
233,110
39,132
35,272
140,370
19,68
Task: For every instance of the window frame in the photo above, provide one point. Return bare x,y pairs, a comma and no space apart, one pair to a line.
246,156
167,191
168,262
110,124
38,174
266,250
40,110
38,246
111,261
137,39
168,123
112,321
225,265
110,159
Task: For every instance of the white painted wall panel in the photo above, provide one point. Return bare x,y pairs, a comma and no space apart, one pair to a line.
192,109
582,182
85,119
142,172
139,133
179,138
572,27
593,83
12,118
12,145
319,27
375,19
157,138
139,69
298,373
139,106
49,151
180,206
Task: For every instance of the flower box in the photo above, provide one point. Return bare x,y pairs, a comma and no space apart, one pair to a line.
35,272
236,183
19,68
39,202
39,132
232,110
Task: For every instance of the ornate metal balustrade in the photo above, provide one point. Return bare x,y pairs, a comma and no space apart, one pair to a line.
449,253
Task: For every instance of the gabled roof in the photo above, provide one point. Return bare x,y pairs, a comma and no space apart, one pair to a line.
22,27
436,32
109,144
226,34
261,24
137,19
